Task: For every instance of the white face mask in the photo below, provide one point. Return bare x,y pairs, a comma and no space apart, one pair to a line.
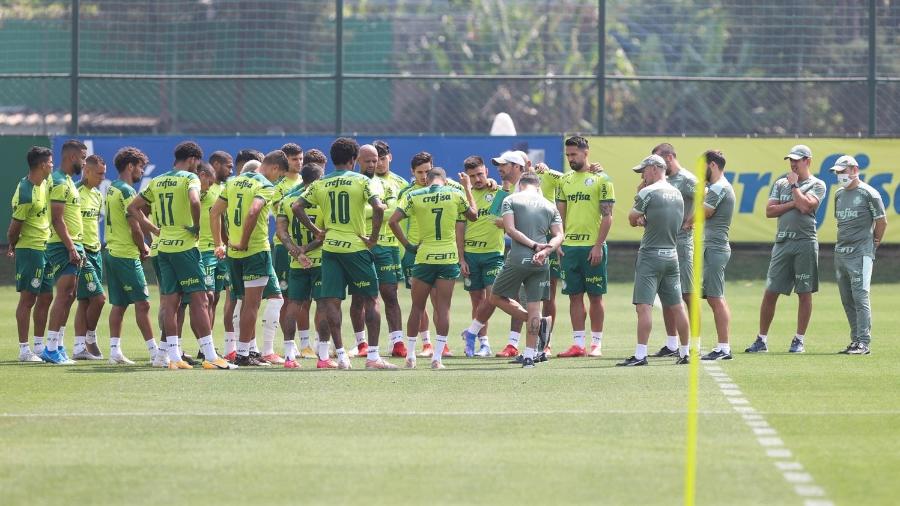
843,180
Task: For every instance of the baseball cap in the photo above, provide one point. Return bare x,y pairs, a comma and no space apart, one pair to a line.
650,160
798,152
844,163
509,157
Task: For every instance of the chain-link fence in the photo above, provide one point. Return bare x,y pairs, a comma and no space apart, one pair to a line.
695,67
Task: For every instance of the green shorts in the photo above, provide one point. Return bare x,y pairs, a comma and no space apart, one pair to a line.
90,277
387,264
406,265
685,248
429,273
125,277
249,268
281,263
534,278
656,272
223,280
483,270
304,284
58,260
32,273
180,272
714,263
555,273
578,276
794,266
210,265
355,271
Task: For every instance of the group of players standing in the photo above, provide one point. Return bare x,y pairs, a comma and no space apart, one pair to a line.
208,232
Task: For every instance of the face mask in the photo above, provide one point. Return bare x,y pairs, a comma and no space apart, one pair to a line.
843,180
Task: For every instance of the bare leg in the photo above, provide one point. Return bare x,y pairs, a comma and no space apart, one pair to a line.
598,312
767,311
804,312
23,314
722,317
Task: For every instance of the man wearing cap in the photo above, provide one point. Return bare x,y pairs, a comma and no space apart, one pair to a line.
659,208
861,223
794,265
584,199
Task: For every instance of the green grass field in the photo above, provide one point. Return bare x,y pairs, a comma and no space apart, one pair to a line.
481,432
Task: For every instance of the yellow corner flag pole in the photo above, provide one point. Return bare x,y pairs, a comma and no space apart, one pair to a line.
690,470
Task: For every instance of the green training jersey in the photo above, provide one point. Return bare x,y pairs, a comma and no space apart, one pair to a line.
686,184
533,216
207,201
483,235
662,206
240,192
91,203
300,234
393,185
167,194
31,206
794,225
550,183
62,189
378,191
856,211
119,242
583,192
719,196
341,197
408,224
437,209
282,187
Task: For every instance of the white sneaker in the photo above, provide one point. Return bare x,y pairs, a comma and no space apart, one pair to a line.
353,352
29,356
161,360
119,359
84,354
38,349
344,364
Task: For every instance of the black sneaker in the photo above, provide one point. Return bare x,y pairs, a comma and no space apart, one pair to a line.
544,332
849,348
860,349
716,355
518,359
249,361
632,362
189,359
683,360
665,351
758,346
528,363
541,357
258,357
797,346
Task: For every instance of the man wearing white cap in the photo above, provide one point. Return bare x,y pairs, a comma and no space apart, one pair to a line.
794,265
861,223
659,208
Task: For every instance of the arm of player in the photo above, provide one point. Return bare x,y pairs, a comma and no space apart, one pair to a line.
59,225
806,203
394,223
377,220
135,225
636,218
194,201
471,213
257,207
281,231
556,230
775,208
461,247
216,226
509,224
12,235
595,256
299,210
880,227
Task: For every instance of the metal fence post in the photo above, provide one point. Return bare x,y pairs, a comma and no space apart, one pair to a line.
339,68
73,76
872,68
601,68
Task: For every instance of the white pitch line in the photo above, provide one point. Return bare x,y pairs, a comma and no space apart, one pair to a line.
144,414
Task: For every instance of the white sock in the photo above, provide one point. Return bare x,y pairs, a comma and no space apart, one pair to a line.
91,337
290,351
79,343
373,353
396,337
725,348
229,342
439,344
114,346
411,347
152,347
180,343
174,354
243,349
596,338
799,336
208,348
360,337
253,345
52,341
38,344
23,347
61,337
578,337
764,338
684,350
484,340
270,324
672,342
640,351
322,349
513,339
426,336
163,346
304,339
341,354
529,353
475,327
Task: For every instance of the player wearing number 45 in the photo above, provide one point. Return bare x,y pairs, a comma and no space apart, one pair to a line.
861,223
